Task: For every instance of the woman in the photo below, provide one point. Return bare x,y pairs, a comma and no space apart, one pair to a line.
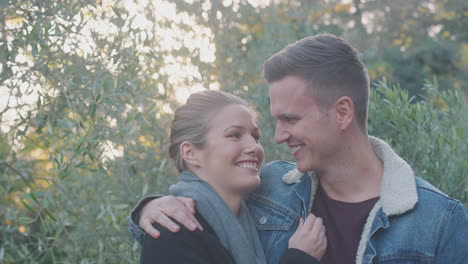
215,146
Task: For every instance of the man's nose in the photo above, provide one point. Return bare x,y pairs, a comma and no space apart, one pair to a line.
281,134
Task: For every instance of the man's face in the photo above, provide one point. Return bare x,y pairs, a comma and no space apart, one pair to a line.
309,131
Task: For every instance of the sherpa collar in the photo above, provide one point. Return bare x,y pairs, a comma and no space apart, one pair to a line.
398,190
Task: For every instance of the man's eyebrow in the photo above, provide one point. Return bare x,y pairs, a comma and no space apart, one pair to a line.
286,116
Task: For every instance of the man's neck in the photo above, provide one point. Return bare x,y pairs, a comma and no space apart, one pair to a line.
356,174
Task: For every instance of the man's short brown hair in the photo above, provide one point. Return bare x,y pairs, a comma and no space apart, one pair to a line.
330,66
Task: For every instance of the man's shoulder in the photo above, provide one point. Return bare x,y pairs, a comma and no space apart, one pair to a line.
427,191
271,176
432,201
277,193
276,169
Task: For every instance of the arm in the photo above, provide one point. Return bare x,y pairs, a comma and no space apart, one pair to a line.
184,246
296,256
454,238
308,243
153,209
137,233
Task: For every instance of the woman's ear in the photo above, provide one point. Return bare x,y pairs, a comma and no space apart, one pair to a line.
188,152
344,112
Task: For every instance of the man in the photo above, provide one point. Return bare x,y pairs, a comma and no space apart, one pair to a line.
373,207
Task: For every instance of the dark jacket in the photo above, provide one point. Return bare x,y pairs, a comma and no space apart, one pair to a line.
198,246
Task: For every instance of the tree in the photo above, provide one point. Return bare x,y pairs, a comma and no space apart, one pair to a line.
87,89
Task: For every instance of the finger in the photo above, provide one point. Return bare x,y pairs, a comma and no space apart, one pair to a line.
323,240
166,222
323,232
152,231
174,208
317,226
149,229
185,217
309,222
188,202
301,223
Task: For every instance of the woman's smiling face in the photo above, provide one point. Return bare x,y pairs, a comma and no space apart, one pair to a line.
231,158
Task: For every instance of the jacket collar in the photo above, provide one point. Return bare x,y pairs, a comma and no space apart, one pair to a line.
398,189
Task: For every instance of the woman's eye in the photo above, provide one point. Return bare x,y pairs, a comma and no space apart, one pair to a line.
235,135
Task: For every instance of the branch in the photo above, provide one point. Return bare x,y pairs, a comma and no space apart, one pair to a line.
5,163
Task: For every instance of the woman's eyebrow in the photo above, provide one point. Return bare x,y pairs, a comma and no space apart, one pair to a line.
234,127
240,128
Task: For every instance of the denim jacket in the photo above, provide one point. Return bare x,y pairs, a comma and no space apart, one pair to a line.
413,222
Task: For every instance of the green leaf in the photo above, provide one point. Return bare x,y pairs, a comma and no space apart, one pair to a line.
26,220
49,214
64,173
33,196
28,206
121,206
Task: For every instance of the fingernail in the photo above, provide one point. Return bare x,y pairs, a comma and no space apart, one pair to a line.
192,226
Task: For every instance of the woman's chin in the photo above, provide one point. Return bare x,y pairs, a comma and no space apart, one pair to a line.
252,185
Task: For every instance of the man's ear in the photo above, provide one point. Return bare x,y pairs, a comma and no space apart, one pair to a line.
344,112
189,154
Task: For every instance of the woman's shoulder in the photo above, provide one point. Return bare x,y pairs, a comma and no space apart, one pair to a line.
184,234
206,234
185,246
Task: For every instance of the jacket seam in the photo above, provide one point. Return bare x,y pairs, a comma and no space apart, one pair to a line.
437,193
262,200
274,238
419,257
443,223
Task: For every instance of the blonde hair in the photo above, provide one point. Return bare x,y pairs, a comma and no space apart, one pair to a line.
192,120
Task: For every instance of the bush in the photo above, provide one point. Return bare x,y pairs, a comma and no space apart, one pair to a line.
75,160
428,133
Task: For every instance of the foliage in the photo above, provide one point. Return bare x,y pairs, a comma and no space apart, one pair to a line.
87,90
77,159
428,134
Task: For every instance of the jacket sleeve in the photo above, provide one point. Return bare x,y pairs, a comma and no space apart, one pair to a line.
454,236
175,248
296,256
135,230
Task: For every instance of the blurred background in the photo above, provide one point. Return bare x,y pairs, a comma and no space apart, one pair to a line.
88,87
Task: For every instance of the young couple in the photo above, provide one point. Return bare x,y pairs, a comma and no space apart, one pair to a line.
348,199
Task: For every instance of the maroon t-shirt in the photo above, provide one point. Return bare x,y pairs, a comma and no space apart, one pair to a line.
344,223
